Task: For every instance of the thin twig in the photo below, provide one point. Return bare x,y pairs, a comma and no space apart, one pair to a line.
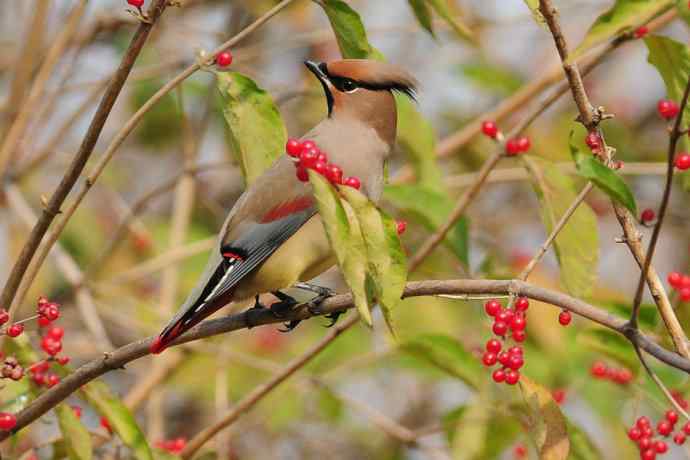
52,208
117,359
590,120
246,403
674,136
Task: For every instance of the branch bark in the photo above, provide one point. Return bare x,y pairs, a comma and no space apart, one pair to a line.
119,358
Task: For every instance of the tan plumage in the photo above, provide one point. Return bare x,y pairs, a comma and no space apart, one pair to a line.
358,135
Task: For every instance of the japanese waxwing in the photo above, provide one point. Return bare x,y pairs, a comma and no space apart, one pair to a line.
273,237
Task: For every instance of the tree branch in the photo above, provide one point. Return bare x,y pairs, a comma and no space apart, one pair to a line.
136,350
52,208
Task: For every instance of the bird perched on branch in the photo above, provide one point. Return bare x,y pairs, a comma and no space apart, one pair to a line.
273,237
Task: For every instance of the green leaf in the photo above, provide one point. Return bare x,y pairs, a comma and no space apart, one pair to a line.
533,6
348,28
547,425
101,398
683,9
385,253
607,180
623,15
490,77
448,355
672,61
431,208
256,130
421,11
442,9
76,437
581,446
418,141
345,237
611,344
577,244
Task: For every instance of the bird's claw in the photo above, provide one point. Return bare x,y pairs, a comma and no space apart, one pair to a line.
290,325
334,317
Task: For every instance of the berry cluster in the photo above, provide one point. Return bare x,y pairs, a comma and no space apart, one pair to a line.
642,433
308,156
514,146
601,371
681,284
594,141
173,446
11,369
668,110
680,399
510,359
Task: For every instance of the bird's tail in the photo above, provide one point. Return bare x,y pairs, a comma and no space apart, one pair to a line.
198,306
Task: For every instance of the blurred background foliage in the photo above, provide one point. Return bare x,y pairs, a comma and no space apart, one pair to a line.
469,55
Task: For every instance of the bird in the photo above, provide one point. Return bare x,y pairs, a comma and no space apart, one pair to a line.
273,237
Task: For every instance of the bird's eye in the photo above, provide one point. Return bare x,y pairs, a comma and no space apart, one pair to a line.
349,86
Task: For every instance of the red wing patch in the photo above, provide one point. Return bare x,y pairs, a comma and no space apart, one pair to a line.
232,255
286,209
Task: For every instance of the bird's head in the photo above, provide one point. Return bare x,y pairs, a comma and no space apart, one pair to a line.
363,89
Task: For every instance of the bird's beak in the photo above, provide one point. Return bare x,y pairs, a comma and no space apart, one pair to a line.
317,68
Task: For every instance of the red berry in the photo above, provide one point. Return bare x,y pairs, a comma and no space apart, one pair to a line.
634,433
500,328
15,330
674,279
39,378
320,167
4,316
106,424
644,443
293,147
641,31
664,428
322,157
512,377
307,158
667,109
308,144
40,366
647,432
51,346
679,438
519,336
598,370
520,451
136,3
17,373
77,411
301,174
56,332
493,346
521,304
685,281
52,312
63,360
623,376
492,307
647,216
400,227
518,323
7,421
686,428
558,396
512,147
515,362
684,294
660,447
224,59
678,397
649,454
671,416
490,129
564,317
504,358
523,143
499,375
489,359
643,422
353,182
515,351
683,161
52,380
43,321
334,174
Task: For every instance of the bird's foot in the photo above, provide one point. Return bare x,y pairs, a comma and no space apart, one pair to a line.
314,305
281,308
257,306
334,317
318,290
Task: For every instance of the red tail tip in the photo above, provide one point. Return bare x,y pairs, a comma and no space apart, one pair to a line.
157,346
